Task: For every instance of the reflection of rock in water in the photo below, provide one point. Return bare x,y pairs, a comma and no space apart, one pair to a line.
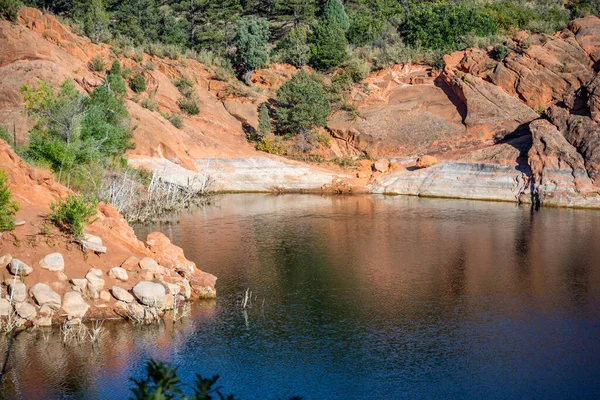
43,366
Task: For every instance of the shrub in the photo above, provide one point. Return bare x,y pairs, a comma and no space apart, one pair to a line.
8,207
500,52
441,25
149,104
138,83
185,86
264,122
302,104
115,79
4,135
335,12
97,64
271,145
163,50
9,9
73,214
188,105
174,119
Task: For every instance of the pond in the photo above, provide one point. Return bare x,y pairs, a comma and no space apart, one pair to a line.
359,297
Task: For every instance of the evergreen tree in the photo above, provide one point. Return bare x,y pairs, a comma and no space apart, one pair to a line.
137,19
334,12
294,48
251,39
115,79
264,123
296,11
208,23
96,21
302,104
327,45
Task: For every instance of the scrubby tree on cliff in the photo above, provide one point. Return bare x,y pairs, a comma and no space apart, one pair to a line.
251,38
302,104
115,79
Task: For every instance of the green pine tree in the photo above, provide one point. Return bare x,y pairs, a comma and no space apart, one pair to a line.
115,79
96,21
264,122
335,12
251,40
302,104
294,47
327,45
296,11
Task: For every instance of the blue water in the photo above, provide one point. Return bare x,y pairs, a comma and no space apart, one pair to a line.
361,297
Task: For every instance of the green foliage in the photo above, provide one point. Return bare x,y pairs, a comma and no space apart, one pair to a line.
334,12
298,12
95,20
441,25
251,37
293,48
583,8
500,52
74,132
4,135
174,119
73,214
115,79
8,207
97,64
162,382
327,45
264,121
302,104
9,9
188,105
149,104
271,145
138,83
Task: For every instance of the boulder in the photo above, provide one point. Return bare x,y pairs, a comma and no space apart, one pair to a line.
118,273
150,294
96,271
105,295
79,284
25,311
96,281
121,294
92,239
74,305
382,165
17,291
91,291
132,310
53,262
5,260
45,296
17,267
130,263
426,161
149,264
19,222
4,308
61,276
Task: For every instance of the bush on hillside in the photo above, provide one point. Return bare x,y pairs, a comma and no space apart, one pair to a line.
138,83
73,214
8,207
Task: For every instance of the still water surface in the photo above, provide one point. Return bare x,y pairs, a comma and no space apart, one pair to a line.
360,297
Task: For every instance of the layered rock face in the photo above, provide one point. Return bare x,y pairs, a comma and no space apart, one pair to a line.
47,277
555,159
